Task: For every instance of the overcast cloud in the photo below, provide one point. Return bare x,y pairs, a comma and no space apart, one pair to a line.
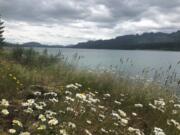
71,21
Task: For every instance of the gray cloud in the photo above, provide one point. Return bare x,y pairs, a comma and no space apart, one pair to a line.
77,18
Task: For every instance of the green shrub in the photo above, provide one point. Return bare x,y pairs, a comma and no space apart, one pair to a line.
31,58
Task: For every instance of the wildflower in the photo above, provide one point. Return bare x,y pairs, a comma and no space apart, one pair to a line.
38,106
24,133
159,103
92,100
104,131
174,112
152,106
5,112
51,94
42,117
122,95
77,84
17,122
134,114
12,131
158,131
4,103
81,96
117,102
37,93
135,130
92,94
43,104
177,105
122,113
88,121
138,105
107,95
49,114
29,102
63,132
71,86
69,99
54,100
115,115
174,122
53,122
82,109
131,129
68,92
96,91
87,132
14,78
72,125
28,110
70,109
100,120
171,101
62,112
102,116
93,109
42,127
101,107
123,121
116,124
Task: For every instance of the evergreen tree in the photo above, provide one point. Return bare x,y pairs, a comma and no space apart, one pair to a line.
1,32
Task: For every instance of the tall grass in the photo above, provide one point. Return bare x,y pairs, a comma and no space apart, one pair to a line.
40,68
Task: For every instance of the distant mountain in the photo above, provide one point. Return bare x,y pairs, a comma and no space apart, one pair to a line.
150,41
32,45
36,44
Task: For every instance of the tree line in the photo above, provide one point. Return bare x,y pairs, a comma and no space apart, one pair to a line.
1,32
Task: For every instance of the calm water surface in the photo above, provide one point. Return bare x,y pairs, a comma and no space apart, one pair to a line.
132,62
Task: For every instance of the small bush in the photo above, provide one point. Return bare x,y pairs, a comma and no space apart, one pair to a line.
31,58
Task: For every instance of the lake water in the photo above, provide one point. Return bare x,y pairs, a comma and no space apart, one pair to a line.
131,62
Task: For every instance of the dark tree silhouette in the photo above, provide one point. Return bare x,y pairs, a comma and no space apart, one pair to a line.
1,32
148,41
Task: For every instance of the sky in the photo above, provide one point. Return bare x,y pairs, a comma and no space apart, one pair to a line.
65,22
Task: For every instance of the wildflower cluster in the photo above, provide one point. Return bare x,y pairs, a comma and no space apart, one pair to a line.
74,111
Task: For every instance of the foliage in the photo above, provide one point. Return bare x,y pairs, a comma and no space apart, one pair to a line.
1,32
31,58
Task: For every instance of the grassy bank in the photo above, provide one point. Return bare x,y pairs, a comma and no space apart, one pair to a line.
48,95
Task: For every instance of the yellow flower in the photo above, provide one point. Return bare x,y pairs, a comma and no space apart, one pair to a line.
14,78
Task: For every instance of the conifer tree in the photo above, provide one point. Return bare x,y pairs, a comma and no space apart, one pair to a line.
1,32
